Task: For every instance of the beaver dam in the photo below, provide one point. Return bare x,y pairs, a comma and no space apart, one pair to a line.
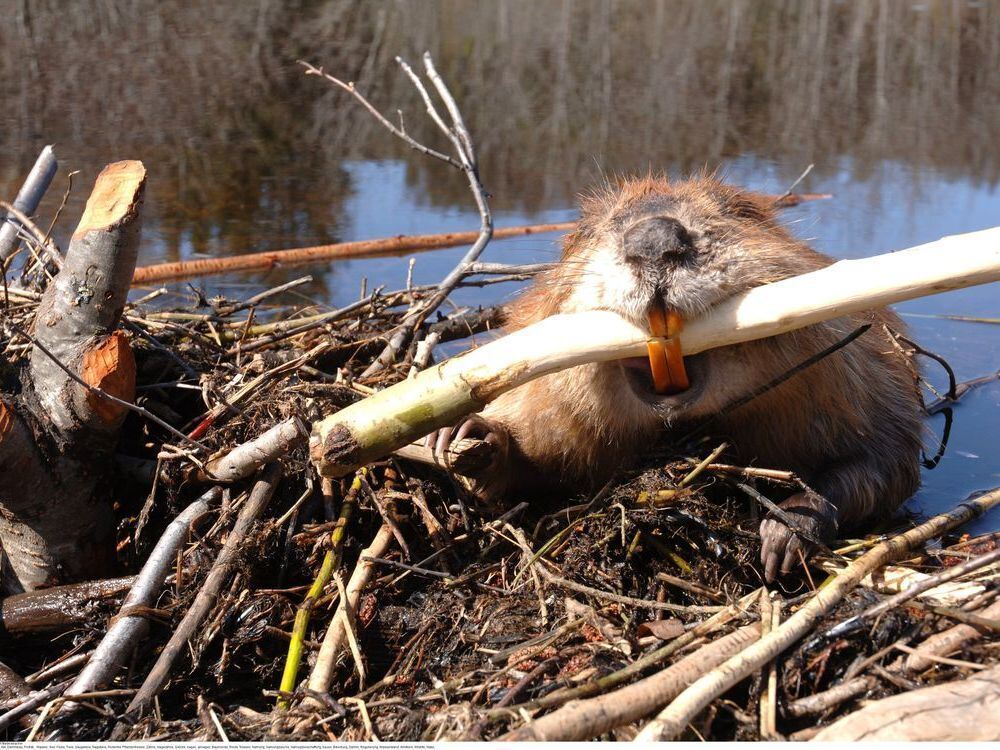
178,568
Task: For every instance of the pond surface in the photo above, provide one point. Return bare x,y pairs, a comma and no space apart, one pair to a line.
895,103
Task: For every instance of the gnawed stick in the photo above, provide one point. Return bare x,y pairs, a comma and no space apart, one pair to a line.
437,397
770,616
811,705
960,710
465,457
586,719
927,585
245,459
260,495
397,245
336,635
636,668
128,629
672,720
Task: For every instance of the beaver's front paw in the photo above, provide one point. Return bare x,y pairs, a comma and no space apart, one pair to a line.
781,546
482,467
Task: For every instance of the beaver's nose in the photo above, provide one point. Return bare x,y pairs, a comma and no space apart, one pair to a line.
656,240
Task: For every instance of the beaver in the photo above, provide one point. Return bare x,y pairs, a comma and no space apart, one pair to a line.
849,425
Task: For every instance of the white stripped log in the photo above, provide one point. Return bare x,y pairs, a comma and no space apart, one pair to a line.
437,397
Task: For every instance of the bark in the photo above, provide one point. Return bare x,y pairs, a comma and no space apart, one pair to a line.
60,607
438,397
964,710
56,434
27,200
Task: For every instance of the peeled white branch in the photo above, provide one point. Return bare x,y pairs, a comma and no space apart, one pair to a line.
27,200
949,641
245,459
336,635
586,719
127,630
437,397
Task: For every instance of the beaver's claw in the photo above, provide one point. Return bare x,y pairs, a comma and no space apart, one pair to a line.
488,477
781,547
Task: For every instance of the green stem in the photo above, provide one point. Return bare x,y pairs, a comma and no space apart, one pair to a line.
331,560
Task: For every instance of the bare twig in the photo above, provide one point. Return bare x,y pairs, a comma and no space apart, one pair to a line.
203,603
31,702
465,159
312,70
126,630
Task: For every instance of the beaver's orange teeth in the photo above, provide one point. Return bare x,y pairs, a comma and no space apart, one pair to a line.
658,367
675,363
666,361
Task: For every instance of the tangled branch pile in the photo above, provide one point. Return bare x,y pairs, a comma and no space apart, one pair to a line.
260,602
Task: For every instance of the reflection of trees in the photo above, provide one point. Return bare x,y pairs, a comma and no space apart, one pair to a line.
240,144
208,95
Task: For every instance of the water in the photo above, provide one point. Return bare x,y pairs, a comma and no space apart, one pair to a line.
895,104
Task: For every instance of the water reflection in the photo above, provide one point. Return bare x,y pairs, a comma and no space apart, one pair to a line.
243,146
895,102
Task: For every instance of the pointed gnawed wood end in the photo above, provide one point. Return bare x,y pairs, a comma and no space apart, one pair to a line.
115,197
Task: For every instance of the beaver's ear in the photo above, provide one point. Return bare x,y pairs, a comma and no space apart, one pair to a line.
744,204
749,206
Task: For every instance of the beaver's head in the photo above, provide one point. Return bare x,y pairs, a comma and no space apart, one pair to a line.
680,246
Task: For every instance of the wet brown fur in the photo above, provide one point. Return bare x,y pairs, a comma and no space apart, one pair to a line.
849,425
